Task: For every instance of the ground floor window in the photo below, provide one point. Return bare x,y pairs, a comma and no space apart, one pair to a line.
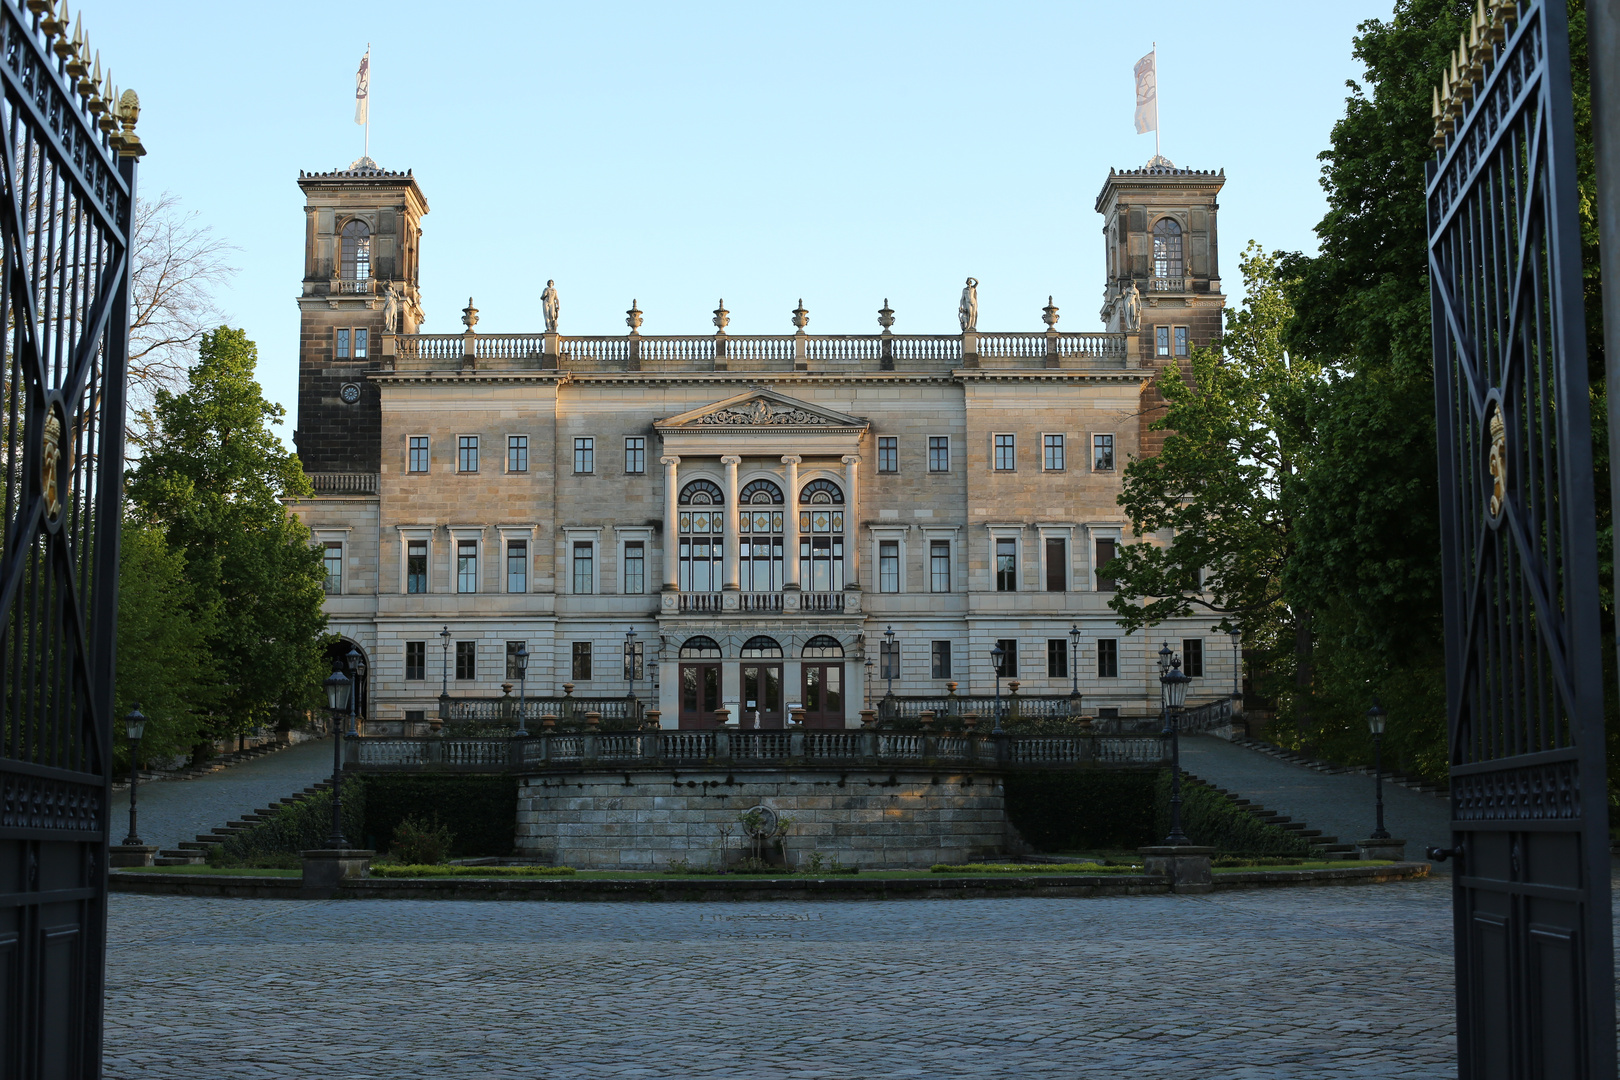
416,659
582,661
1192,657
1107,658
940,659
466,659
1057,658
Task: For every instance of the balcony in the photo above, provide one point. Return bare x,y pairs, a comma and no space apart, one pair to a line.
718,603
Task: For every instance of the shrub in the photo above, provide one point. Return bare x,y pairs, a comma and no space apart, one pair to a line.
304,825
1214,820
480,811
1085,809
419,843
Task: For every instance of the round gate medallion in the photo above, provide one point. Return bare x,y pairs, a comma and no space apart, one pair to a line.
350,392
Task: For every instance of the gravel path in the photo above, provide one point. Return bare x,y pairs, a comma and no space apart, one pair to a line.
1340,806
175,810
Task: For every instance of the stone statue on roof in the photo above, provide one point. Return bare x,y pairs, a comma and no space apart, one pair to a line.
968,310
1133,309
551,306
390,309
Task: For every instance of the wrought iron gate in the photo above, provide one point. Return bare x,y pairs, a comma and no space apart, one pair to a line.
67,177
1535,995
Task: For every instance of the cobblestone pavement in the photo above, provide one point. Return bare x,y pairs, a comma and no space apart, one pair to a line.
174,810
1309,983
1340,806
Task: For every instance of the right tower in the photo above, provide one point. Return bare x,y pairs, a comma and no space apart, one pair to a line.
1159,233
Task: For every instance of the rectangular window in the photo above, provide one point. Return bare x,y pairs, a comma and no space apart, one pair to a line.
360,344
1057,564
582,661
415,660
466,566
939,453
635,456
1161,340
1004,453
635,566
517,453
340,347
888,659
334,568
1102,452
584,455
1183,342
939,566
1057,658
1106,550
889,566
416,566
888,454
1192,657
419,454
1009,657
1107,658
1052,453
512,648
1006,564
940,659
584,567
517,566
467,453
466,659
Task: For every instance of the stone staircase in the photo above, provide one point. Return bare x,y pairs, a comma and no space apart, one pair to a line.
1411,783
195,852
213,765
1322,847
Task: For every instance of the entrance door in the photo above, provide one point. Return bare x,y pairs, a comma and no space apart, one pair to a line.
823,695
700,695
762,693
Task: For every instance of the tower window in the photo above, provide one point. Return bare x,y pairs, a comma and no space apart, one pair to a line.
1167,262
1183,344
517,453
340,347
584,456
939,453
635,456
467,453
360,343
1102,452
888,454
1004,453
334,567
354,251
419,454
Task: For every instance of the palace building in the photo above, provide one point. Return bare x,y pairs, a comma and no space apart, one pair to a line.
717,520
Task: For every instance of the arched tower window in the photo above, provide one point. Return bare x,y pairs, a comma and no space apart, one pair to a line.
354,251
821,536
760,552
1167,260
702,545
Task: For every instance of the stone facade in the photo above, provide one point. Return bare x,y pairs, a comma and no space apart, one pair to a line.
869,819
484,489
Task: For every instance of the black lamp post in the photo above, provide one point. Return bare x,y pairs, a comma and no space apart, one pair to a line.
1074,668
1173,691
630,660
357,672
134,727
338,689
891,662
997,655
868,683
444,674
520,660
1237,664
1375,724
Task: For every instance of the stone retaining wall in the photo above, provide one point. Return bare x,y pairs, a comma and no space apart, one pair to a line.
864,818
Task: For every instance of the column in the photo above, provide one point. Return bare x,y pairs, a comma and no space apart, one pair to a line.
790,536
733,533
852,546
672,534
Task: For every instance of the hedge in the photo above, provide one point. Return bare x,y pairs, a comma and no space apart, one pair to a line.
1082,810
479,810
1213,820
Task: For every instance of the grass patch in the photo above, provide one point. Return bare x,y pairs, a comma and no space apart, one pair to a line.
1316,864
473,871
221,871
1032,868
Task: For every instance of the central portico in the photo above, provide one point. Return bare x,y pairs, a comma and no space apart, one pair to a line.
761,593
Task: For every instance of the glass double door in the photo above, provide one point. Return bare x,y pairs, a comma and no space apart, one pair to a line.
700,695
761,696
823,695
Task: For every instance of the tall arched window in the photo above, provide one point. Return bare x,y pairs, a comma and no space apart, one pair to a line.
354,251
821,537
759,519
1167,261
702,546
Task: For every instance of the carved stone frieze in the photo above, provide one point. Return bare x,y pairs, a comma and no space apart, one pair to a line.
760,412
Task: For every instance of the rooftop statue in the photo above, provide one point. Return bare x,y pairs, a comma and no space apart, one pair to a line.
968,310
551,306
1133,309
390,309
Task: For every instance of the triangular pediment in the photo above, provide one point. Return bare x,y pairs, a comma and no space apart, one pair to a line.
761,408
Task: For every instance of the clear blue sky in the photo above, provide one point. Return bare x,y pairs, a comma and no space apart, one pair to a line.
675,154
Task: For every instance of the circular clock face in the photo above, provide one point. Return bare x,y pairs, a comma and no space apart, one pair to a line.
351,392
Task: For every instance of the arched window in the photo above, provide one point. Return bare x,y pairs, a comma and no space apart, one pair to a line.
700,648
1167,262
702,547
761,647
821,537
354,251
822,647
759,554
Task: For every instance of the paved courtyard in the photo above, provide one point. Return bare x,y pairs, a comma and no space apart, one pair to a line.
1320,982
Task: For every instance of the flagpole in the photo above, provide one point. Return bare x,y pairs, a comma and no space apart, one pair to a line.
368,99
1155,97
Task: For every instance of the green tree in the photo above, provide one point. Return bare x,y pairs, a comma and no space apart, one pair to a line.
1221,497
215,476
163,635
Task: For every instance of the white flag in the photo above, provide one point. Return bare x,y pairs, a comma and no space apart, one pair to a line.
1147,95
362,89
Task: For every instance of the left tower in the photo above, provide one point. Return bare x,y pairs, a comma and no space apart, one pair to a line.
362,241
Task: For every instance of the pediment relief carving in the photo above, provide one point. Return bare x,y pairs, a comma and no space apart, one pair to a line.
762,408
761,412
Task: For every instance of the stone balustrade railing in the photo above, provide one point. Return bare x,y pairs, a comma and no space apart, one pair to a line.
1035,707
796,747
330,483
569,709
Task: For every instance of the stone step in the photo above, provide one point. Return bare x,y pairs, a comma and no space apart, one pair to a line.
1291,826
181,855
197,845
223,831
208,840
1330,848
1309,834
